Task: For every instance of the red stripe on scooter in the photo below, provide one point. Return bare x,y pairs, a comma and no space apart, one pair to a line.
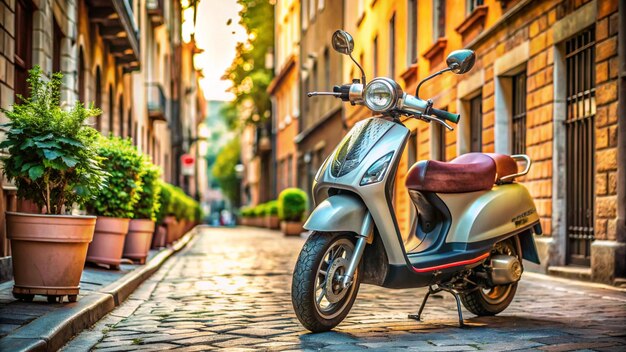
448,265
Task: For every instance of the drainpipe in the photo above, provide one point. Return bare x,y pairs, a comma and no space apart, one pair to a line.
621,126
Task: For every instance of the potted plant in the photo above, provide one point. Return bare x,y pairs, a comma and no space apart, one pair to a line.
271,215
53,162
115,204
244,218
163,216
292,205
259,215
142,225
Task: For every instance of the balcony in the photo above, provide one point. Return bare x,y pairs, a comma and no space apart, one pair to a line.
118,28
155,11
156,101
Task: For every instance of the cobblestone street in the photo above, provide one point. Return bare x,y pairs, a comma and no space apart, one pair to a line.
231,289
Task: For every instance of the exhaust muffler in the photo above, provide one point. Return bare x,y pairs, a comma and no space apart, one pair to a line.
505,269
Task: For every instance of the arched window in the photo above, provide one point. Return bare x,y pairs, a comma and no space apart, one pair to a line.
81,76
98,100
120,115
111,112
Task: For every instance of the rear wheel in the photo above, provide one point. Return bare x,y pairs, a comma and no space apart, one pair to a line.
495,299
319,300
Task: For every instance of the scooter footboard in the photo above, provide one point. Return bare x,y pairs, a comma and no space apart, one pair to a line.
341,212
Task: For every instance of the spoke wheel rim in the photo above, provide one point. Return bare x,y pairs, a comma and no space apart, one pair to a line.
340,250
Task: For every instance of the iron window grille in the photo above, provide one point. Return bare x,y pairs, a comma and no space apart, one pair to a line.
580,142
519,114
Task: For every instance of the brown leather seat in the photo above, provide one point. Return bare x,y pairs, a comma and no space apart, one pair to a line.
467,173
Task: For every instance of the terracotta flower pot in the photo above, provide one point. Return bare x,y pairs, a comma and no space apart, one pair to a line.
138,240
48,252
171,224
108,241
272,222
291,228
160,237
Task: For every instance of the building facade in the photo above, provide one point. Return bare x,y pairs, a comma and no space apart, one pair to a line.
123,56
321,118
545,84
285,91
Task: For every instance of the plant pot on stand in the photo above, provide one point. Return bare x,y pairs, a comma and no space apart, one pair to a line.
48,253
138,240
108,241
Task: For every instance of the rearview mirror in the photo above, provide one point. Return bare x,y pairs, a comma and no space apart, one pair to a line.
461,61
343,42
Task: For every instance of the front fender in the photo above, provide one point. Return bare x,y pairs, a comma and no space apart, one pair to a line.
342,212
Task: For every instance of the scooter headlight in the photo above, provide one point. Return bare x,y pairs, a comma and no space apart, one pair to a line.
377,171
381,94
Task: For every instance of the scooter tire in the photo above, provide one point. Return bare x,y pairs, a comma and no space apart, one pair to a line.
477,304
303,283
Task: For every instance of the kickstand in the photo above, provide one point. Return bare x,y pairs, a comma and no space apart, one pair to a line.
432,290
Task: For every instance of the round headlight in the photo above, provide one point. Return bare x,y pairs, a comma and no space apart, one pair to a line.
380,95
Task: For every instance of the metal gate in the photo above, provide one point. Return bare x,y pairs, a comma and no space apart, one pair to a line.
580,143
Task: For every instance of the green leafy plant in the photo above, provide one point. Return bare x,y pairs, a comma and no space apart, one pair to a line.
165,200
148,204
52,157
271,208
292,204
124,165
246,212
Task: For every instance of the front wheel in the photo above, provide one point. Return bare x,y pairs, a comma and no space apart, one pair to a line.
317,296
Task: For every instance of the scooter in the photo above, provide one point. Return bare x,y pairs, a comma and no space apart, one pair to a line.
472,224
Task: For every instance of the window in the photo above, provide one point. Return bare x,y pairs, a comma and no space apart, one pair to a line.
439,19
56,48
518,135
312,10
392,46
290,171
320,4
580,145
476,123
23,46
327,83
472,5
111,112
98,100
412,149
412,32
375,60
120,115
129,131
81,76
439,133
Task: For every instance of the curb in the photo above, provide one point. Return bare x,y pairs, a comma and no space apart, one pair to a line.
51,331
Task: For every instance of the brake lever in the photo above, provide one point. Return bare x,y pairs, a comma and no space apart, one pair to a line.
332,94
441,122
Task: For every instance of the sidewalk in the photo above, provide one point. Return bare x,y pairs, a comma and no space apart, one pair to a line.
41,326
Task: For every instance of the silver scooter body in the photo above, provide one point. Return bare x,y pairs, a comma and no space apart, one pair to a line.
343,204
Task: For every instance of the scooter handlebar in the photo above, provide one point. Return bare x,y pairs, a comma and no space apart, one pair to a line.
445,115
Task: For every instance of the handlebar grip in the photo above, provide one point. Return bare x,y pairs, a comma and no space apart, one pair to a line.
445,115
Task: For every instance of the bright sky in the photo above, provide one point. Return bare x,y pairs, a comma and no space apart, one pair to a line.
218,41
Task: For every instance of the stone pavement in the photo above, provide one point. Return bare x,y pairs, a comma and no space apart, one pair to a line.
230,289
15,314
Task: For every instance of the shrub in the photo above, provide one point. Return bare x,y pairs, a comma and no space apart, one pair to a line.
52,156
245,212
271,208
148,204
259,210
292,204
124,165
165,199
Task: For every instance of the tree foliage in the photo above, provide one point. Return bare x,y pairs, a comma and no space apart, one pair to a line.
52,155
224,170
248,74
